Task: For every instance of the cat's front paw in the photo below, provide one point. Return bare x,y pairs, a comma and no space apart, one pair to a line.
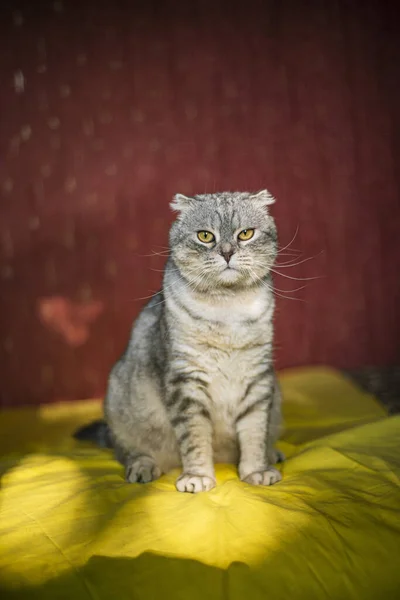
194,483
142,469
268,477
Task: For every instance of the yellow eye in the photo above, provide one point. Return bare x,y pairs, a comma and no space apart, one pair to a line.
246,234
206,236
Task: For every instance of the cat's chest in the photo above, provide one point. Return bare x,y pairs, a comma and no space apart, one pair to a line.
229,374
226,342
228,329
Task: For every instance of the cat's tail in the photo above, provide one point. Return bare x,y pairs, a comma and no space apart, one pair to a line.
97,432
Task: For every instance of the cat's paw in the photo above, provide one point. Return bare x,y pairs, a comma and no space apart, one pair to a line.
142,469
194,483
268,477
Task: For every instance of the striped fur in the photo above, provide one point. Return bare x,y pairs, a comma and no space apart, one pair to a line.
196,384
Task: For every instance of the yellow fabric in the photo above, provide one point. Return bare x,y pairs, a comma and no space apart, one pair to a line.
71,528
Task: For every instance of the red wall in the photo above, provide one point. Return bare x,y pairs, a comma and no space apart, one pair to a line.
108,110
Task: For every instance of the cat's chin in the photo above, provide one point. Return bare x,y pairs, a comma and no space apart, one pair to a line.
229,276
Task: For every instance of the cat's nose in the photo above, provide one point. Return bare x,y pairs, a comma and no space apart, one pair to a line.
227,254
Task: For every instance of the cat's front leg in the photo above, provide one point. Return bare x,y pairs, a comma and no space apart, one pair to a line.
252,425
187,404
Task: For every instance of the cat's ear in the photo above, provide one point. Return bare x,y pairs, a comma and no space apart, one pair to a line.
263,198
181,202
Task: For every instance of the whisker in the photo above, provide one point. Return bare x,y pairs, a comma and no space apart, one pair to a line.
162,270
289,297
199,275
295,264
274,270
158,303
163,253
303,287
291,241
294,254
154,293
274,290
296,278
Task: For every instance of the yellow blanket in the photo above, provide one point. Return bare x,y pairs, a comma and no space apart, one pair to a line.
71,528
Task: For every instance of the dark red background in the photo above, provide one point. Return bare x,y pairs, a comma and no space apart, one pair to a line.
108,108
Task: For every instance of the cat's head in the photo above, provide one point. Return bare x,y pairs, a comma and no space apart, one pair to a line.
225,240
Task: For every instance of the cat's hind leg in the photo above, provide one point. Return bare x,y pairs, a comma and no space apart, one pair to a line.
139,467
276,456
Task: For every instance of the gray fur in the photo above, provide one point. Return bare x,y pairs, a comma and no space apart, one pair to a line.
196,384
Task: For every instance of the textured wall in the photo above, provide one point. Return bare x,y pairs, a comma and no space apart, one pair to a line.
108,108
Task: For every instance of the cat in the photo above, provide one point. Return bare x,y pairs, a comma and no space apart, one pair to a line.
196,384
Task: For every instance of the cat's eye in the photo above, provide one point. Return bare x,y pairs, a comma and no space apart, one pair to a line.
246,234
206,236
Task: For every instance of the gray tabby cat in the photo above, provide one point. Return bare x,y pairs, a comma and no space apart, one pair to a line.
196,384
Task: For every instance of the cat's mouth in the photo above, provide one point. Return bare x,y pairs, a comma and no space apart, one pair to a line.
229,273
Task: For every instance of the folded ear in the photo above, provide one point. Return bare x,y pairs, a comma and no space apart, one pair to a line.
181,202
263,198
